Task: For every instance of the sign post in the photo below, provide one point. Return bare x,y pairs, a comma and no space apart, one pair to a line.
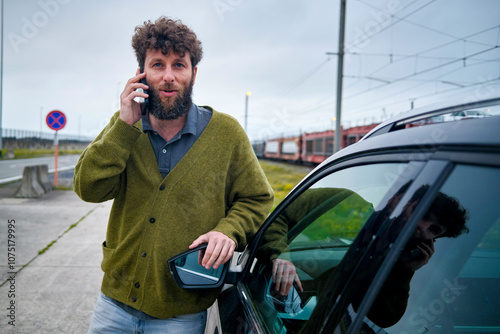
56,120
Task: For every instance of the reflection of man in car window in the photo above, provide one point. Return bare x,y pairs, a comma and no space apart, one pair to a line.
445,218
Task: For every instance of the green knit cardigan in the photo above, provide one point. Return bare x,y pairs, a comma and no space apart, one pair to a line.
217,186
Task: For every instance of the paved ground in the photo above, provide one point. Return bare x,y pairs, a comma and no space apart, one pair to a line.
56,257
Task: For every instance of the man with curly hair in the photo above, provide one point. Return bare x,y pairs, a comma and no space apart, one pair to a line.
179,175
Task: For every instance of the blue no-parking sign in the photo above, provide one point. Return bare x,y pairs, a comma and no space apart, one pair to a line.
56,120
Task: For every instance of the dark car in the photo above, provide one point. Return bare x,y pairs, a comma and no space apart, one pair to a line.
398,233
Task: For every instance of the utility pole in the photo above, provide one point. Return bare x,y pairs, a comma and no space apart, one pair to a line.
412,103
340,73
41,122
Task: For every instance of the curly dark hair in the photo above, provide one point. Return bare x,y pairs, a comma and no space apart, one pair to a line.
166,34
450,213
447,210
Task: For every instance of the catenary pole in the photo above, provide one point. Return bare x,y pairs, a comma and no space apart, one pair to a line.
340,70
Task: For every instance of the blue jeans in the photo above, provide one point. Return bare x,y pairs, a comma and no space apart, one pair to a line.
110,318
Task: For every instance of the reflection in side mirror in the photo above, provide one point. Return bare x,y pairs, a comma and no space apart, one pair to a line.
189,274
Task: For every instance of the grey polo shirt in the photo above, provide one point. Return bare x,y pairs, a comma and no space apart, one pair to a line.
168,154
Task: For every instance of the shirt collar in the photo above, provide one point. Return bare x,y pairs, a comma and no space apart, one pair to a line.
190,126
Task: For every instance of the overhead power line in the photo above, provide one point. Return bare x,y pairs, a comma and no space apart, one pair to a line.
404,19
461,85
422,72
407,56
418,54
383,28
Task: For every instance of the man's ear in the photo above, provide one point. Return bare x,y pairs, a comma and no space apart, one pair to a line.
195,70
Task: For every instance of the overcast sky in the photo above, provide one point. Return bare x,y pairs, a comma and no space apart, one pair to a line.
76,55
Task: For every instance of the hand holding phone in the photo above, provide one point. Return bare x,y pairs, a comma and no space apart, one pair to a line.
145,103
130,109
418,255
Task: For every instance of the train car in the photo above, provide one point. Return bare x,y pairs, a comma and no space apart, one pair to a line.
273,148
284,149
259,147
291,148
317,146
312,148
354,134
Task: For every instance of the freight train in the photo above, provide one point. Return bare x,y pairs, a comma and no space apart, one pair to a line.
307,148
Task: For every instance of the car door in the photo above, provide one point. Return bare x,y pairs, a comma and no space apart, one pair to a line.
349,231
305,242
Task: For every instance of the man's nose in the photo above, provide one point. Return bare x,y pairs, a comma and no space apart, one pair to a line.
168,75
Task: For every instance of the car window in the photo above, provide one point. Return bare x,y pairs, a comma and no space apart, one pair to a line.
310,237
458,289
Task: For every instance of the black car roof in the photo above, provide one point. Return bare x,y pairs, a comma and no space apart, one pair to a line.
392,134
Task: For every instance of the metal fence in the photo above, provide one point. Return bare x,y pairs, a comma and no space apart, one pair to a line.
29,139
9,134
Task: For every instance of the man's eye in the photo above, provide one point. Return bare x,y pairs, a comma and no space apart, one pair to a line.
179,65
156,64
436,230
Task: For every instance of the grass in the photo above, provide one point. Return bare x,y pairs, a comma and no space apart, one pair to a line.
25,153
63,188
283,177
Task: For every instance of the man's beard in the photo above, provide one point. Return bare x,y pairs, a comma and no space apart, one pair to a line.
180,106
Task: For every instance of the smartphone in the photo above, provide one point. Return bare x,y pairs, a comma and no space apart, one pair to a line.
145,103
416,254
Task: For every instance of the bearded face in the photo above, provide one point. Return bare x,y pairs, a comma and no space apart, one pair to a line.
170,79
170,108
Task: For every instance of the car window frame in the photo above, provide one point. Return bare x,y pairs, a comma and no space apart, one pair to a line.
240,278
450,155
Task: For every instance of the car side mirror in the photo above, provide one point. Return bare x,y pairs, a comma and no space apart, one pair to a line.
188,273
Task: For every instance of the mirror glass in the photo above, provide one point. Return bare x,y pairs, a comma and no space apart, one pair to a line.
192,273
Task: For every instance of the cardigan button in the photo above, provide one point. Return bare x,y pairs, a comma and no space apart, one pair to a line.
162,187
133,299
143,254
152,220
137,285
